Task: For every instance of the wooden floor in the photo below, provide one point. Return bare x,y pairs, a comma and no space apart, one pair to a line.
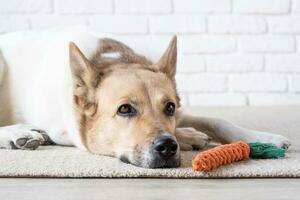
172,189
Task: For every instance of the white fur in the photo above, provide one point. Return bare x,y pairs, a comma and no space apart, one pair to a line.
39,79
111,55
12,133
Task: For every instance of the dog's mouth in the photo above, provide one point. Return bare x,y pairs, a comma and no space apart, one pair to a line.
125,159
153,163
161,163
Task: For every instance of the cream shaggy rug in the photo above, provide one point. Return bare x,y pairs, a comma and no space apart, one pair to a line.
55,161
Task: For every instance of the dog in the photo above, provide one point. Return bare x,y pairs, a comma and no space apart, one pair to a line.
71,87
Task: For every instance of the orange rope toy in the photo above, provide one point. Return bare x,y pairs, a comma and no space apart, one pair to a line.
221,155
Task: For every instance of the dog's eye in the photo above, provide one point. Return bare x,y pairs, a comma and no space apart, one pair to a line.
169,109
126,110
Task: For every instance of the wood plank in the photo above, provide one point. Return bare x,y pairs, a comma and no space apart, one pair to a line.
90,189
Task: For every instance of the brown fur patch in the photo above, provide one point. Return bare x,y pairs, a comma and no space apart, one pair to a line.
127,55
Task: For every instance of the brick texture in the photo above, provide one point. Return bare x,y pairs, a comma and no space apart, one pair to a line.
295,83
25,7
179,24
84,6
202,6
261,6
236,24
258,83
144,6
234,63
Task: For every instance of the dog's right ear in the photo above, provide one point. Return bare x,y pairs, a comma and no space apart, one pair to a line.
80,66
85,77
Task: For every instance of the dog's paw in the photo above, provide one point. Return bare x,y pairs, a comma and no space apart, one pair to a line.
191,139
22,137
280,141
265,137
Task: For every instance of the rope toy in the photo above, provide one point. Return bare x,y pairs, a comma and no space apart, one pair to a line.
237,151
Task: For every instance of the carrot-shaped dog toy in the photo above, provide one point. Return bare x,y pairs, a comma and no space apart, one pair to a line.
229,153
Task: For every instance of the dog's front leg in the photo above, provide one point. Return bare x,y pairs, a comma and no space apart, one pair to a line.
22,136
227,132
190,138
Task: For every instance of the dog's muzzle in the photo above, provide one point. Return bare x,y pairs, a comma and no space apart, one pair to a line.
162,152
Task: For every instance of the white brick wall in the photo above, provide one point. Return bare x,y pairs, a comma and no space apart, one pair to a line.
231,52
236,24
83,6
267,44
144,6
295,83
261,6
28,6
178,24
258,83
202,6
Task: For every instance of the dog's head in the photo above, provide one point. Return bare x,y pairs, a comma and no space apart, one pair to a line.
126,106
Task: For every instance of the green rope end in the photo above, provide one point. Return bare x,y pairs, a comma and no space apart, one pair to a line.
265,150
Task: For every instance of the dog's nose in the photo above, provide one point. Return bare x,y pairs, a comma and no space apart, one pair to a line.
165,146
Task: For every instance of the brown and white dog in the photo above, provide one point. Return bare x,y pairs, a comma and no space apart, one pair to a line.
99,95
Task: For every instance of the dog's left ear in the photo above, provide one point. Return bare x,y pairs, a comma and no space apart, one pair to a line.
167,63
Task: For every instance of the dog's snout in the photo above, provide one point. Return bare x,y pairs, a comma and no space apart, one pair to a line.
165,146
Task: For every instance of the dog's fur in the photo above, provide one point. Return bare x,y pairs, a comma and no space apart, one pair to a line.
52,89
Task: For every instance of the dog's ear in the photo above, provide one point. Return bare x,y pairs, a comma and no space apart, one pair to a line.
167,63
85,79
80,66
